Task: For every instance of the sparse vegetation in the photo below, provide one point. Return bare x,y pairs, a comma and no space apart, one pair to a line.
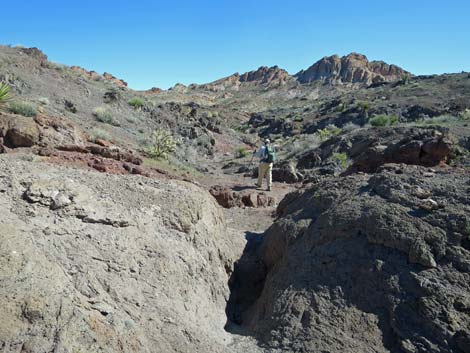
341,159
329,131
465,115
43,100
241,152
136,102
23,108
132,119
161,145
384,120
4,94
104,115
350,127
99,134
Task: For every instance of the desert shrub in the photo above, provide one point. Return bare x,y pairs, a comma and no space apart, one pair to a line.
327,132
132,119
241,152
43,100
445,119
383,120
350,127
4,94
23,108
162,143
465,115
341,159
99,134
136,102
324,134
104,115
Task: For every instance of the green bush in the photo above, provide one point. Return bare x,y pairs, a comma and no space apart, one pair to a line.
4,94
104,115
341,159
241,152
136,102
23,108
327,132
162,144
383,120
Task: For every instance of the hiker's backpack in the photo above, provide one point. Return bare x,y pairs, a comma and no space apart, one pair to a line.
270,155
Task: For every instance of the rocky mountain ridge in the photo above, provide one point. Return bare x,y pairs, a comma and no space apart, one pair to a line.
352,68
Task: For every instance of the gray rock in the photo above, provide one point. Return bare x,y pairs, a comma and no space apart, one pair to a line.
105,263
354,265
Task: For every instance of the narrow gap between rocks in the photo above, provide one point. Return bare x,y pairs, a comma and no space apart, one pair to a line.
245,283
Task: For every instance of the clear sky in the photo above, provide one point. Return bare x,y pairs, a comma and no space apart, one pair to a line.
159,43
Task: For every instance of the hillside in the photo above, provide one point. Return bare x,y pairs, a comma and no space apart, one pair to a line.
362,245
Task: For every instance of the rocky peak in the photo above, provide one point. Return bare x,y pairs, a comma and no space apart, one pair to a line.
266,75
352,68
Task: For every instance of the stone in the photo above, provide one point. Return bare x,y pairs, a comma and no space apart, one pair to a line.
21,132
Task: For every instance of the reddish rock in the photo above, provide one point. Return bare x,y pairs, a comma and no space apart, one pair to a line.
73,148
264,200
226,197
353,68
102,142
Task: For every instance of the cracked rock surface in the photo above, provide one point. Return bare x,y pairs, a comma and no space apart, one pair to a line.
356,264
94,262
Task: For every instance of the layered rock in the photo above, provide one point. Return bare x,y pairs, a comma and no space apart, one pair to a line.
352,68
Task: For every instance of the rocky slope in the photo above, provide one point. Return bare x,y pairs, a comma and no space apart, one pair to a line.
107,250
352,68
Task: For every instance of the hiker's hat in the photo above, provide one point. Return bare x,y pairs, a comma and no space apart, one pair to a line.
267,141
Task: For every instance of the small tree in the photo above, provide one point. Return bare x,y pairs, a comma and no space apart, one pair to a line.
162,144
4,94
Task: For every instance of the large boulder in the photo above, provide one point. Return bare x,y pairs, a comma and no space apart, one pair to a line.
18,131
105,263
369,262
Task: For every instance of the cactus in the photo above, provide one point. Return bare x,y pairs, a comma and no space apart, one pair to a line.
162,144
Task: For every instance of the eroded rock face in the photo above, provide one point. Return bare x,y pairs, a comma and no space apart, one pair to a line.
352,68
104,263
357,264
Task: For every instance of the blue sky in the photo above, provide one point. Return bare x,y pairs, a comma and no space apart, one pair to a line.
160,43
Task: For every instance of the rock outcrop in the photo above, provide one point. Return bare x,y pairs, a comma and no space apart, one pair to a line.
358,264
352,68
228,198
264,76
104,263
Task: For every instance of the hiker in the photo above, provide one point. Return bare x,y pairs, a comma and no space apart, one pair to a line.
266,155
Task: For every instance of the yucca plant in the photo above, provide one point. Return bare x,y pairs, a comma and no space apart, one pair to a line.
4,94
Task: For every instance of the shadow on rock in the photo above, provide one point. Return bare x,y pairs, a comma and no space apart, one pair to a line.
246,282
